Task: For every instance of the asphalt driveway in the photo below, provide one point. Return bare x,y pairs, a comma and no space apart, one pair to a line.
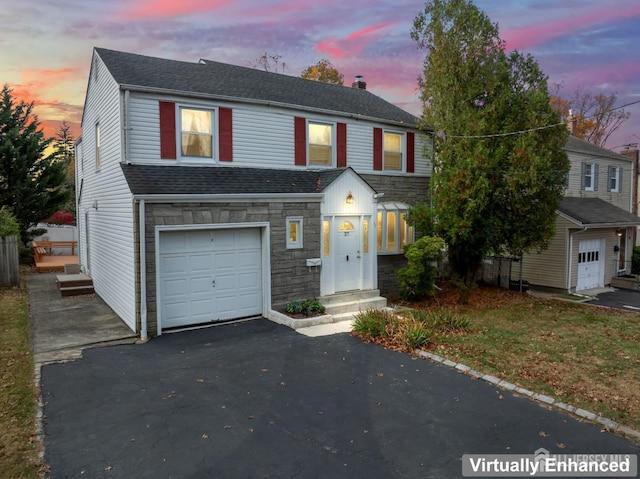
256,399
625,299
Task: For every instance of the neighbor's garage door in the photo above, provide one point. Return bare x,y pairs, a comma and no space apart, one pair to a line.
209,275
590,266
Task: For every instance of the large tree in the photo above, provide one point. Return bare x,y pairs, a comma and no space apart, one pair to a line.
32,182
595,114
499,168
323,71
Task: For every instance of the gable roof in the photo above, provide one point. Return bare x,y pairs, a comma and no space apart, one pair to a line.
225,180
596,213
581,146
231,82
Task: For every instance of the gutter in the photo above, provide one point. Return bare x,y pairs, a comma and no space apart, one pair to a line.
126,127
245,197
143,274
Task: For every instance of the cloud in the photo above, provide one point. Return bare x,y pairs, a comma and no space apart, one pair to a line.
172,8
353,44
532,35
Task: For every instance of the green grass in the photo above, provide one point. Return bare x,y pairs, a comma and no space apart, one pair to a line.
18,447
584,356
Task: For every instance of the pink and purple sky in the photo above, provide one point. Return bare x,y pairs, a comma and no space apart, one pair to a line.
46,45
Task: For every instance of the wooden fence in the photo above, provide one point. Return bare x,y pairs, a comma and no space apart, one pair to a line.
9,261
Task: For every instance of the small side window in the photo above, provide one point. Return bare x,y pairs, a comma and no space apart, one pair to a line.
294,232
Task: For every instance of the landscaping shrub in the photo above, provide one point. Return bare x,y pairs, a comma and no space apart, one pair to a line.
414,334
417,280
307,307
635,260
371,323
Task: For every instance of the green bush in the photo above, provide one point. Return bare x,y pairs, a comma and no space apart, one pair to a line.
421,218
635,260
414,334
8,223
417,280
306,307
442,321
371,323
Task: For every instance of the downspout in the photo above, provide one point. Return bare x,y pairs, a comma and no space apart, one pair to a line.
143,275
126,127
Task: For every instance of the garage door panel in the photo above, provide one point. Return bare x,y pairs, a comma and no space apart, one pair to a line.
590,267
217,275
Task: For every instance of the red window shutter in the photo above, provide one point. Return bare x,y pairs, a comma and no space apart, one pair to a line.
300,141
377,149
225,134
167,130
411,152
341,141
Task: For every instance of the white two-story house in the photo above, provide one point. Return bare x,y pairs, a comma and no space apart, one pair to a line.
595,224
208,191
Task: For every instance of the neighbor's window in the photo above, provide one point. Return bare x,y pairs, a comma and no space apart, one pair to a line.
365,236
294,232
589,176
614,175
98,157
320,144
392,151
393,231
196,133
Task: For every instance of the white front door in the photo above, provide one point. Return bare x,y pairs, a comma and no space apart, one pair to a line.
347,255
590,270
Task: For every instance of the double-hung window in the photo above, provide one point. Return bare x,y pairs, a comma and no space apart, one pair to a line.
393,232
613,179
392,151
196,133
590,176
320,144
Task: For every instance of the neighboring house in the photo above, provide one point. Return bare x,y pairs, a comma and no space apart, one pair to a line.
595,226
209,191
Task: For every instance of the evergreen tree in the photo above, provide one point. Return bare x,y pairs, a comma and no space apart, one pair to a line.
500,167
31,181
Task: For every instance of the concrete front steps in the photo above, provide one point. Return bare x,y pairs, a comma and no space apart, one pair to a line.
74,284
338,307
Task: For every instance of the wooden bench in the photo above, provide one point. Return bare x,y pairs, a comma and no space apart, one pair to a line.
49,260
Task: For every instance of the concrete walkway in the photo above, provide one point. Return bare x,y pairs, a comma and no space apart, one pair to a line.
61,327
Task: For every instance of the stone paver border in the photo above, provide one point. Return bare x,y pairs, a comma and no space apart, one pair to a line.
582,413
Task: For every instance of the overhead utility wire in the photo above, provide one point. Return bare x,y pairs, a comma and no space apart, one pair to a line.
496,135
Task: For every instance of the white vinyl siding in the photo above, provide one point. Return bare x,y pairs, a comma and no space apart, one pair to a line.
106,201
262,136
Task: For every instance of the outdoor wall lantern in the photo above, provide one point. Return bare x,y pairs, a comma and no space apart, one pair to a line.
350,198
618,232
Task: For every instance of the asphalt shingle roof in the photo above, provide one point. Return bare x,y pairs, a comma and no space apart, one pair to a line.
581,146
221,180
222,80
595,211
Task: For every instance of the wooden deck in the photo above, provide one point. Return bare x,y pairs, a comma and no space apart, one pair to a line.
48,258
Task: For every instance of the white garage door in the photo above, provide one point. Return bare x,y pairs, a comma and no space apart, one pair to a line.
590,269
209,275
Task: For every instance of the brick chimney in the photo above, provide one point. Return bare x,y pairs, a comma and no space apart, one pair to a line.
572,121
358,83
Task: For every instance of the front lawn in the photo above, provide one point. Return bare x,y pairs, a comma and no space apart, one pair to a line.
18,447
585,356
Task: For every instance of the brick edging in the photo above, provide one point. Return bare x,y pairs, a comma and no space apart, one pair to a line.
612,425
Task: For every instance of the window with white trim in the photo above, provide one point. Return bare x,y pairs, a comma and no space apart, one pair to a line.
294,232
196,133
320,144
98,147
393,232
589,176
613,179
392,147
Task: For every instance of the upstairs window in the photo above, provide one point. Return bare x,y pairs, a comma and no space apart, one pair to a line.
98,146
320,144
392,151
393,231
614,179
196,131
589,176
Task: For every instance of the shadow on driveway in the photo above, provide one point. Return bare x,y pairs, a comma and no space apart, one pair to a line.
256,399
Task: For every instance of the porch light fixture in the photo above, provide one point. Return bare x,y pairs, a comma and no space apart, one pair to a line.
350,198
618,232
